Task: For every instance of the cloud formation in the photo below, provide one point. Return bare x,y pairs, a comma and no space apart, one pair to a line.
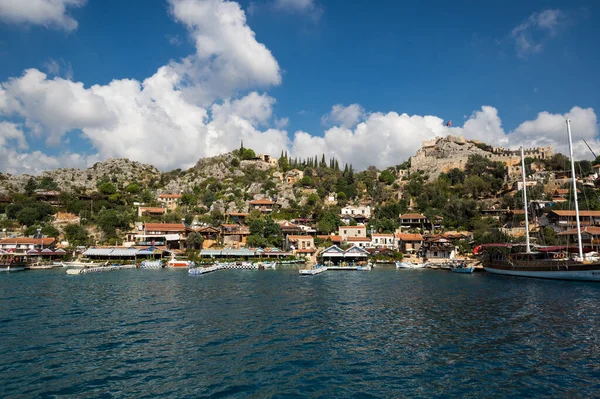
530,35
345,116
48,13
206,103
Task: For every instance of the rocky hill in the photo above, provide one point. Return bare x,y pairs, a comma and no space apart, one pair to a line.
121,171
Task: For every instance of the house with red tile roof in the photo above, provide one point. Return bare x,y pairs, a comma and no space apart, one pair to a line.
352,231
415,221
263,205
169,201
304,244
169,235
20,245
383,241
408,242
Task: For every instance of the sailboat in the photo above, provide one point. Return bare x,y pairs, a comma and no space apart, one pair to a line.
542,262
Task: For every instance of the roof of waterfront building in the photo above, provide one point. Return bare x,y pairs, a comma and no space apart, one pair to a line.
164,227
27,240
572,213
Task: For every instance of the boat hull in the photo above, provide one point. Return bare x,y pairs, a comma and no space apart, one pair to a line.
12,268
466,269
572,274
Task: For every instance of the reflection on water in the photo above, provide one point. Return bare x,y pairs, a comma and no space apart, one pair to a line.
385,333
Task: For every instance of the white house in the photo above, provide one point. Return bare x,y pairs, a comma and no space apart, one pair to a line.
363,210
383,241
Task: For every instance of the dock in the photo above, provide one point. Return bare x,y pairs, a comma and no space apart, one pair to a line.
357,268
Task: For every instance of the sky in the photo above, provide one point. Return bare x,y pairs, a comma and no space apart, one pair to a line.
167,82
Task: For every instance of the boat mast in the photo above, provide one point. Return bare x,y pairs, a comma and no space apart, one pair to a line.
528,248
579,245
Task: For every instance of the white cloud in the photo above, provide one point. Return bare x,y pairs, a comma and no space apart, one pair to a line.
345,116
531,35
295,4
307,7
48,13
281,123
200,106
389,139
228,56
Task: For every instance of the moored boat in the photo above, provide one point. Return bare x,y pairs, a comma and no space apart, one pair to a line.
542,262
462,267
409,265
10,262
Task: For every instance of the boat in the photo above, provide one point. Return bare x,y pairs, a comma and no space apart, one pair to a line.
558,263
179,264
40,266
409,265
267,265
316,269
462,267
10,262
81,264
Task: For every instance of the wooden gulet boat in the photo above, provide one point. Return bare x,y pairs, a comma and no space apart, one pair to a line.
543,262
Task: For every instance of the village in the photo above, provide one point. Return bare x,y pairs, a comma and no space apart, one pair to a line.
264,227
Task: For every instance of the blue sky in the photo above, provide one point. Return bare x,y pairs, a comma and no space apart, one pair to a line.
306,76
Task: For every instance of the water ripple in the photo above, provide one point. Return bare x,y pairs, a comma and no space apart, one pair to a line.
252,334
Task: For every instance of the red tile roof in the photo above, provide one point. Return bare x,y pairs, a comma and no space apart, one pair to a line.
353,227
152,210
358,239
262,202
572,213
27,240
412,216
409,237
296,238
170,196
164,227
332,238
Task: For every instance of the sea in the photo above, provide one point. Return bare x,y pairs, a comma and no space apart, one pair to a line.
386,333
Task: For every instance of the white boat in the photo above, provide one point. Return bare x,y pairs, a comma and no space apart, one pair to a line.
267,265
543,262
409,265
179,264
314,270
40,266
80,264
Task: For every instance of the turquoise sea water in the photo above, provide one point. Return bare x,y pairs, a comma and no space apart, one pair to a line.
275,334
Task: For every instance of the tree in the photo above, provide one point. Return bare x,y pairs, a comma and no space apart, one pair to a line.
48,184
76,235
328,222
235,162
133,188
188,199
30,187
387,177
195,240
107,188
